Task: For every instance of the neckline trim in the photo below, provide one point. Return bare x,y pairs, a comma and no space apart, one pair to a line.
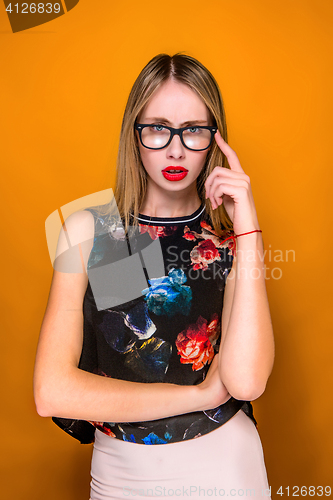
171,220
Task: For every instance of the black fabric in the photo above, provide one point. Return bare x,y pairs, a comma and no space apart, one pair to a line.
78,429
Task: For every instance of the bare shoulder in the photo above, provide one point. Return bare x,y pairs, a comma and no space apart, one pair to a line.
75,242
80,223
77,228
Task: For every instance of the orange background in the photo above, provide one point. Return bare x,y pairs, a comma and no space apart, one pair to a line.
64,86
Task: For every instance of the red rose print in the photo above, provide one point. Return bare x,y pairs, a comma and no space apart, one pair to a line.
100,426
213,329
206,252
157,231
190,236
194,345
230,243
203,254
220,241
207,226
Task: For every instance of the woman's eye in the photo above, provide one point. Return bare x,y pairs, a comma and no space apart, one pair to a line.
157,128
194,129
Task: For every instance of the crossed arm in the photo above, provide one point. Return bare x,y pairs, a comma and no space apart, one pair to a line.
61,389
247,344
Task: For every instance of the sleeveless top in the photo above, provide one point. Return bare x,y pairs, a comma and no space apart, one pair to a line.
152,313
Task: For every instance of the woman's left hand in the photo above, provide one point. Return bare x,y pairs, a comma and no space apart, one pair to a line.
233,189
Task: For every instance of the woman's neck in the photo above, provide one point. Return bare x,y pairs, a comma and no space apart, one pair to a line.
166,204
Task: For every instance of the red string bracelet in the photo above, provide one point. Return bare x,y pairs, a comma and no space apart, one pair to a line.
243,234
234,236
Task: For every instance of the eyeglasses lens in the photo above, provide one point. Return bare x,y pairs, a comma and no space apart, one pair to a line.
194,137
197,138
155,137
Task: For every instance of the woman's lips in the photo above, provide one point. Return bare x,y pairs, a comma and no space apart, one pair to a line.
174,173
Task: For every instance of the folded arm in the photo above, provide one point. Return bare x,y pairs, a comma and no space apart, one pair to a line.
62,389
247,344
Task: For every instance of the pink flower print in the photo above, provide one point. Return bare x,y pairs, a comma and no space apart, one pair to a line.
194,345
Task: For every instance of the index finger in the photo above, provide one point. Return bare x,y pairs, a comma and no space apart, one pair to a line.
229,153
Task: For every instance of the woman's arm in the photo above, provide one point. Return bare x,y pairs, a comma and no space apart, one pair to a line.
247,344
62,389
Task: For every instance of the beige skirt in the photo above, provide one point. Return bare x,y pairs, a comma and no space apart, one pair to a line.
225,462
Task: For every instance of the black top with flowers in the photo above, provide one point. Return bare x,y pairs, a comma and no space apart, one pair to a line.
152,313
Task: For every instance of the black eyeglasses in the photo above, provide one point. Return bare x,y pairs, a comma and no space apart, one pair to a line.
159,136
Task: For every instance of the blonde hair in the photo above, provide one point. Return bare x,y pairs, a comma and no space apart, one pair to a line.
131,181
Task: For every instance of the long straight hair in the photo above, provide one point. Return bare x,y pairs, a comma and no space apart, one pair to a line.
131,181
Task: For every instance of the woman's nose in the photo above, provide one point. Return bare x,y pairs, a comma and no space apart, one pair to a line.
176,148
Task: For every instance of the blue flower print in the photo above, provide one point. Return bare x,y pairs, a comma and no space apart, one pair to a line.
152,438
129,437
139,322
121,330
116,333
168,294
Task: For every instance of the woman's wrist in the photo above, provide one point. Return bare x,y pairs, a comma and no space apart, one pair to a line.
210,396
250,240
248,232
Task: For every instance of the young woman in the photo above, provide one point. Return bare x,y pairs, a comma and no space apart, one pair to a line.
138,346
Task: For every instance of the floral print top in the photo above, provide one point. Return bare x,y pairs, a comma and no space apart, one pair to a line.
160,319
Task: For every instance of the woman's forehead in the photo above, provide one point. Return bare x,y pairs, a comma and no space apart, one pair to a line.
177,103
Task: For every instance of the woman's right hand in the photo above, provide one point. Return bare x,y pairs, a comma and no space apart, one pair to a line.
214,391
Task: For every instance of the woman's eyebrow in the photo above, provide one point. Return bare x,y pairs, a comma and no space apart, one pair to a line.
184,124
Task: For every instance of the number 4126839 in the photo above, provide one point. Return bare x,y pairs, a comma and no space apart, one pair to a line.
304,491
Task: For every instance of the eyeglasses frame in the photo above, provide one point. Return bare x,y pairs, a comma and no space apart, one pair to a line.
175,131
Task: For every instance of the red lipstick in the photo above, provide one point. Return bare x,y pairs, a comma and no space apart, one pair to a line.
174,173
